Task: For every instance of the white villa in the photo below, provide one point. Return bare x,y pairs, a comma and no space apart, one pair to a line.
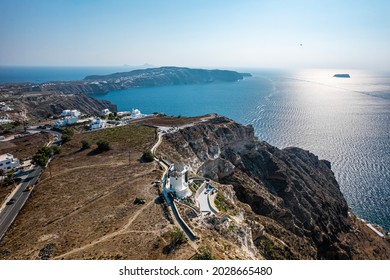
5,120
68,117
97,123
106,112
178,182
8,162
135,113
70,113
66,121
4,107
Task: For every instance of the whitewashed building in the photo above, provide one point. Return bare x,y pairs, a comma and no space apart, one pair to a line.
178,182
8,162
5,120
106,112
66,121
97,123
4,107
70,113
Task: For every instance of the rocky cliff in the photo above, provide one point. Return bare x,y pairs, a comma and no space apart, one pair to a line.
291,194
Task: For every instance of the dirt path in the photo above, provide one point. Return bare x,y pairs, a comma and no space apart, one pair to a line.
110,235
96,199
57,174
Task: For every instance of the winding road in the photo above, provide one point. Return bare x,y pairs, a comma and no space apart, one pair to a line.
20,196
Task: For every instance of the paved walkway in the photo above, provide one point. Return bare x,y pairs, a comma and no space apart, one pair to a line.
375,230
173,211
204,202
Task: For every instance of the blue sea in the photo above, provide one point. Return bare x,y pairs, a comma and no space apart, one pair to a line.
346,121
44,74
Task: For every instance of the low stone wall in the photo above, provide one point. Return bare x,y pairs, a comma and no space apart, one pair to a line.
182,223
211,204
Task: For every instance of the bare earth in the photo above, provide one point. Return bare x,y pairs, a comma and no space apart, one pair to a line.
85,209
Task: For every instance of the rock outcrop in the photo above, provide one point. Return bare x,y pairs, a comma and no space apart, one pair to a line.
291,192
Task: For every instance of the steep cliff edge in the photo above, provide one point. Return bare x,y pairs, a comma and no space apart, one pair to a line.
290,192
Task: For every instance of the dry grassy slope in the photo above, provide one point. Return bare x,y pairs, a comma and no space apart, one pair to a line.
85,209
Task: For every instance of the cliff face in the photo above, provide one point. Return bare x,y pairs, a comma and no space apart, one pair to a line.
293,193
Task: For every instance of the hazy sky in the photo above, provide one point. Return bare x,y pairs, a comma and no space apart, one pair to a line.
219,33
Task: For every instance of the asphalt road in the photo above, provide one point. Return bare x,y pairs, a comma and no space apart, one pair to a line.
9,213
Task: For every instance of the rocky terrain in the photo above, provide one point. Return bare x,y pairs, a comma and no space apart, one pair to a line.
289,197
273,203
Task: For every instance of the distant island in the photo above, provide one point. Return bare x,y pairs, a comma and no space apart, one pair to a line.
341,76
163,76
49,98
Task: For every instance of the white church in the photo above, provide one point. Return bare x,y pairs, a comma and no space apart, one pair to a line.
178,182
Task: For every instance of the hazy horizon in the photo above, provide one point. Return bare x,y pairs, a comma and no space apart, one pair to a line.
207,34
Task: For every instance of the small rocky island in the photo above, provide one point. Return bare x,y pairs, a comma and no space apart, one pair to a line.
341,76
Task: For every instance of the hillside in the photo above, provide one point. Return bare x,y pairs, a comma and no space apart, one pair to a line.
273,203
86,209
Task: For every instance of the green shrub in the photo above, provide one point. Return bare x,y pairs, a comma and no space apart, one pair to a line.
69,131
67,134
65,138
220,202
204,253
40,159
85,145
147,156
47,151
178,236
138,200
56,149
